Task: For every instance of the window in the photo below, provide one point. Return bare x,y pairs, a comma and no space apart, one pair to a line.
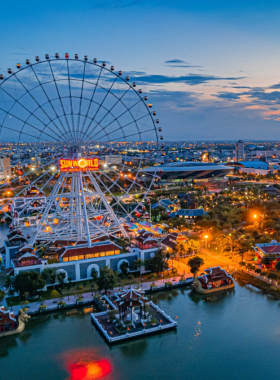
73,258
89,256
65,258
102,254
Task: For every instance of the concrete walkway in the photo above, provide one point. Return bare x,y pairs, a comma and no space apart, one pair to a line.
87,297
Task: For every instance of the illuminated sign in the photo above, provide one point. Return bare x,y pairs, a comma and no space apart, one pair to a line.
78,165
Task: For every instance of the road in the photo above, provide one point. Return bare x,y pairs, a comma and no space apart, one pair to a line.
210,260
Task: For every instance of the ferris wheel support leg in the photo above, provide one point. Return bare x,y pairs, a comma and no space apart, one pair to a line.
84,209
106,204
48,206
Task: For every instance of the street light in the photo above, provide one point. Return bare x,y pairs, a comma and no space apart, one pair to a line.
206,237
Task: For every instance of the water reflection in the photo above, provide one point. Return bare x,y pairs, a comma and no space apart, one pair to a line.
85,364
133,348
211,297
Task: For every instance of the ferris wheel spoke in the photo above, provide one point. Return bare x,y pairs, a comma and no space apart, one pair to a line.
49,102
33,113
41,189
109,111
100,105
21,132
116,118
24,189
123,126
81,97
8,113
25,175
94,91
61,103
71,104
92,178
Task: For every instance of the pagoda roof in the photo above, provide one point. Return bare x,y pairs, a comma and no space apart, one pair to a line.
7,316
26,248
131,298
33,191
214,274
27,255
97,248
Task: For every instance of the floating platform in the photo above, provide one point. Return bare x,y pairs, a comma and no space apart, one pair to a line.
111,335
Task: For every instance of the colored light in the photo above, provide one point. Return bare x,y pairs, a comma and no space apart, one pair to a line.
83,164
90,371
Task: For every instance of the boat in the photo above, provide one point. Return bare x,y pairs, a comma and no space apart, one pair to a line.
213,280
9,324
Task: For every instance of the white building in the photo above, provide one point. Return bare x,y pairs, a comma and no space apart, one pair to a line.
5,168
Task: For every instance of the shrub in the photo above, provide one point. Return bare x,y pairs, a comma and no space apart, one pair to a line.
79,299
55,294
154,321
24,302
81,287
130,277
168,284
42,307
242,263
263,273
258,270
153,286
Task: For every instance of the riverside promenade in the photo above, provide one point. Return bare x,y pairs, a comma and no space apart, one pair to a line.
71,300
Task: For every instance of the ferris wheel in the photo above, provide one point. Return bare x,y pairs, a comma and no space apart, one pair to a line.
78,134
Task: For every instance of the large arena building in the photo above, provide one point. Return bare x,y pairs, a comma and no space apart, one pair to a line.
189,170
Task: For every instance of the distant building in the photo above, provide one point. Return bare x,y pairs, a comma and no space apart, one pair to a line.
5,168
254,167
239,151
189,170
113,159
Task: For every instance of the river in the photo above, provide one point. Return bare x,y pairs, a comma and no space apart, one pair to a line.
228,336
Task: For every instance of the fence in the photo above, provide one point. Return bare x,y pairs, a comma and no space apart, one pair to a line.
260,277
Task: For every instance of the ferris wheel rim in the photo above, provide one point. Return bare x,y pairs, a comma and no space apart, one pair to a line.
84,62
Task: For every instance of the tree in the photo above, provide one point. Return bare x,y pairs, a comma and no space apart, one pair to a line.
273,276
138,265
107,279
195,263
29,282
9,281
277,266
266,260
61,277
47,273
124,268
2,294
158,263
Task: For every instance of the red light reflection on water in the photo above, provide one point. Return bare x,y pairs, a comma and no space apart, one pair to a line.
89,371
86,364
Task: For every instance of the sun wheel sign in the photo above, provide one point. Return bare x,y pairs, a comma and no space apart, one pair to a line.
77,165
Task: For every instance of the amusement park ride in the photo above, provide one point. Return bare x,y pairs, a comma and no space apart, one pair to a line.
81,109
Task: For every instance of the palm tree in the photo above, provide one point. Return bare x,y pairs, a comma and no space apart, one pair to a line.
9,280
138,264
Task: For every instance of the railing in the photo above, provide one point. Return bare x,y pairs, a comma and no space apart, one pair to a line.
260,277
109,302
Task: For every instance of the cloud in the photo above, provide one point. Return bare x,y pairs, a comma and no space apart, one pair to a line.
227,95
178,63
190,79
275,86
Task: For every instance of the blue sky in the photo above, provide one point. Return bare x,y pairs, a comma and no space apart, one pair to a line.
211,68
